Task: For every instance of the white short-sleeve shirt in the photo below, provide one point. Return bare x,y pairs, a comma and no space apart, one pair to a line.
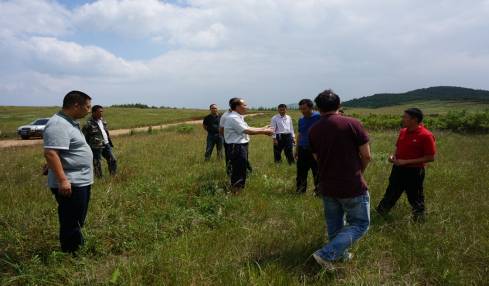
234,129
223,119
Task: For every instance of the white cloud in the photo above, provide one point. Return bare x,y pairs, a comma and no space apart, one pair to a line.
39,17
267,51
59,57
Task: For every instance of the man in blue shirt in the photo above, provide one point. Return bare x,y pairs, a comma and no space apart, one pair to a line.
303,154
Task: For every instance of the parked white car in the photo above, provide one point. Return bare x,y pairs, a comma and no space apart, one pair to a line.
34,129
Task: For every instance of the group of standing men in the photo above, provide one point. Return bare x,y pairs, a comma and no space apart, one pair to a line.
334,147
231,131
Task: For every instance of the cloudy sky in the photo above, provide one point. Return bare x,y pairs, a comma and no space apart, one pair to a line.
194,52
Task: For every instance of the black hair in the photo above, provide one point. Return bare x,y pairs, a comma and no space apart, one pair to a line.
327,101
416,113
75,97
231,100
95,108
282,106
235,102
306,101
210,106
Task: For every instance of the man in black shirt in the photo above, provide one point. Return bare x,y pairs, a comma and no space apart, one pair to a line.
214,138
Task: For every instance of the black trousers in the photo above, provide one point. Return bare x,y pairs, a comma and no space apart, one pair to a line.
227,158
285,144
213,140
404,179
72,212
107,153
238,158
306,162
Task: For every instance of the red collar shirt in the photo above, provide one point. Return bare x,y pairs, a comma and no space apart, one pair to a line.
415,144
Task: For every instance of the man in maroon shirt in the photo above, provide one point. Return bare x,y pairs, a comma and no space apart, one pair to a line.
414,148
340,145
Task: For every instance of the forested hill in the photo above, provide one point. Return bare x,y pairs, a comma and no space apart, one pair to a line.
439,93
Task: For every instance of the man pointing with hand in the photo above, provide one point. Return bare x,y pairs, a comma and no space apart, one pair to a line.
236,135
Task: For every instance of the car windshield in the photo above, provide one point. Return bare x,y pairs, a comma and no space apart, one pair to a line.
40,122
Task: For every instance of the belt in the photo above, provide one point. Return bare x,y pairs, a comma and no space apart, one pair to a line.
237,144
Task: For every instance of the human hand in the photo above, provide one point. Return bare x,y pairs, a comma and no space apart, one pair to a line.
64,188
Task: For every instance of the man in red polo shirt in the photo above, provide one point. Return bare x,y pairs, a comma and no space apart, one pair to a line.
414,148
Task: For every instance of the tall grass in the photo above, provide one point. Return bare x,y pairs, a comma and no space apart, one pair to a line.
166,219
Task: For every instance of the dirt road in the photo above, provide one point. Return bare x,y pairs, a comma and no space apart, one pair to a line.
117,132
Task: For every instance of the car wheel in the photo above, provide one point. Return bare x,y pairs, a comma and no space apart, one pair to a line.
25,137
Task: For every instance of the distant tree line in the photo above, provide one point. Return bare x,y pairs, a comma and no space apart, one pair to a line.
441,93
141,106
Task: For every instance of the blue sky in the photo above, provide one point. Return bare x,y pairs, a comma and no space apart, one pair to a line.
190,53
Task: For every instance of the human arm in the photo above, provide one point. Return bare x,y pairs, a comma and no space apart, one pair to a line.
365,155
421,160
259,131
54,163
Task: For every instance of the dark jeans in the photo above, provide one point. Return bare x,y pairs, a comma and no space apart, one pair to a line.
107,153
72,212
306,162
213,140
285,143
404,179
238,157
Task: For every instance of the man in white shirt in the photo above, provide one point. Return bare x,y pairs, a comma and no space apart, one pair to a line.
224,116
237,135
283,136
97,136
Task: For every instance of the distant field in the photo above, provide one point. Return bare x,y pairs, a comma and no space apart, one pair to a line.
118,118
428,107
165,220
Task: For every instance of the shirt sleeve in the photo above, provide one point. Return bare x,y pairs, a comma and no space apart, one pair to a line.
361,135
221,121
292,127
238,125
274,126
56,137
429,146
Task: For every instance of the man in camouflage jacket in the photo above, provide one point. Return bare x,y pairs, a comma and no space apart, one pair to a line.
97,136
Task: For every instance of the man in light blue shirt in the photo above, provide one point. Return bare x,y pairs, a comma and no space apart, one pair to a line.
70,162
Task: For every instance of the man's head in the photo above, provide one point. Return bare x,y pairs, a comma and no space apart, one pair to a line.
77,104
97,112
282,109
238,105
327,101
306,107
230,102
214,109
412,117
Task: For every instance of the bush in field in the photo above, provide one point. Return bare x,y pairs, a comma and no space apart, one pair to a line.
459,121
185,128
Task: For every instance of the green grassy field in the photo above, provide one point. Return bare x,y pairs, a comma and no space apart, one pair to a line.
13,117
166,219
